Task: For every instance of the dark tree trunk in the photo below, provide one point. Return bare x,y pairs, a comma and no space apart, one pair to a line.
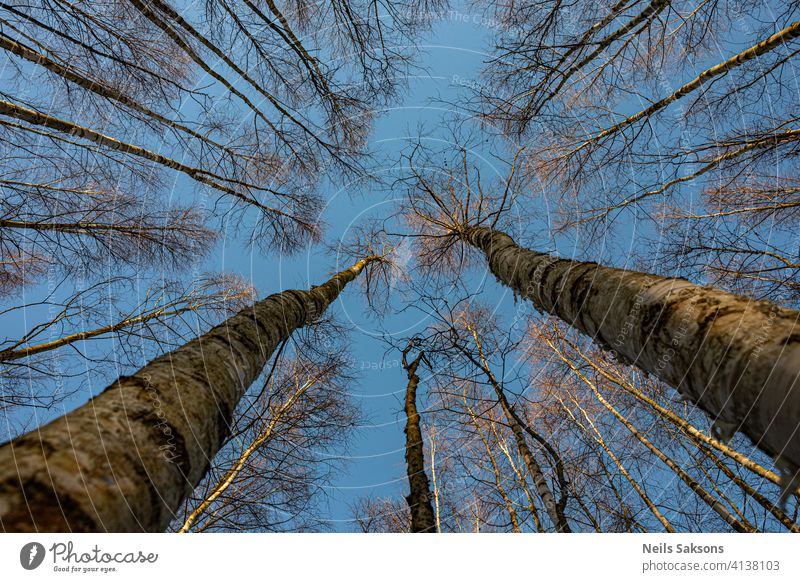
423,519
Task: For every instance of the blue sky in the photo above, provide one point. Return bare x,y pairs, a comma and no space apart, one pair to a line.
452,54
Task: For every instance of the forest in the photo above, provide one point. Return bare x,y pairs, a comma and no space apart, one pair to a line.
400,266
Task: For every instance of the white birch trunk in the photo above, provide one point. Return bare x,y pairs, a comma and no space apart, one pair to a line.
125,460
736,358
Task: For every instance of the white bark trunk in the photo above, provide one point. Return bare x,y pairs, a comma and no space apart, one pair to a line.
125,460
736,358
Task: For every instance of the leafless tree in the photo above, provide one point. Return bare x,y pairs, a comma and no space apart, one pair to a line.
141,422
608,394
667,327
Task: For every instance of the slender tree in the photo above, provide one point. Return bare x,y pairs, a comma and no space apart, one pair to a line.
420,498
494,467
714,504
554,510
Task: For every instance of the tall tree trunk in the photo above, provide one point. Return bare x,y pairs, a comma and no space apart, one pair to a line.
419,499
736,358
125,460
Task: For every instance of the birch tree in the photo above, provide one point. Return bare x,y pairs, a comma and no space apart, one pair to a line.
650,112
113,77
125,460
733,357
481,433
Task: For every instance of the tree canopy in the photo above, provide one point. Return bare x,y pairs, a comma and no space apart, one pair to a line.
568,233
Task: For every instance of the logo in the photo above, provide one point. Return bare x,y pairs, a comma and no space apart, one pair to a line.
31,555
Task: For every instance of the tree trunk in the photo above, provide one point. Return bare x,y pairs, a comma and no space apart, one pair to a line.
736,358
537,521
423,519
125,460
554,510
509,505
230,476
685,426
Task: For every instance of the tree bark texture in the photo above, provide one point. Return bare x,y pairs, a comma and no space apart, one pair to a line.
125,460
736,358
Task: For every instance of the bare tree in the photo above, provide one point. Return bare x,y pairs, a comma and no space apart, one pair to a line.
644,111
734,357
129,65
140,424
458,348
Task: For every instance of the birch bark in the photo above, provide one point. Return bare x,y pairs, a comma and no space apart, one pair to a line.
736,358
125,460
